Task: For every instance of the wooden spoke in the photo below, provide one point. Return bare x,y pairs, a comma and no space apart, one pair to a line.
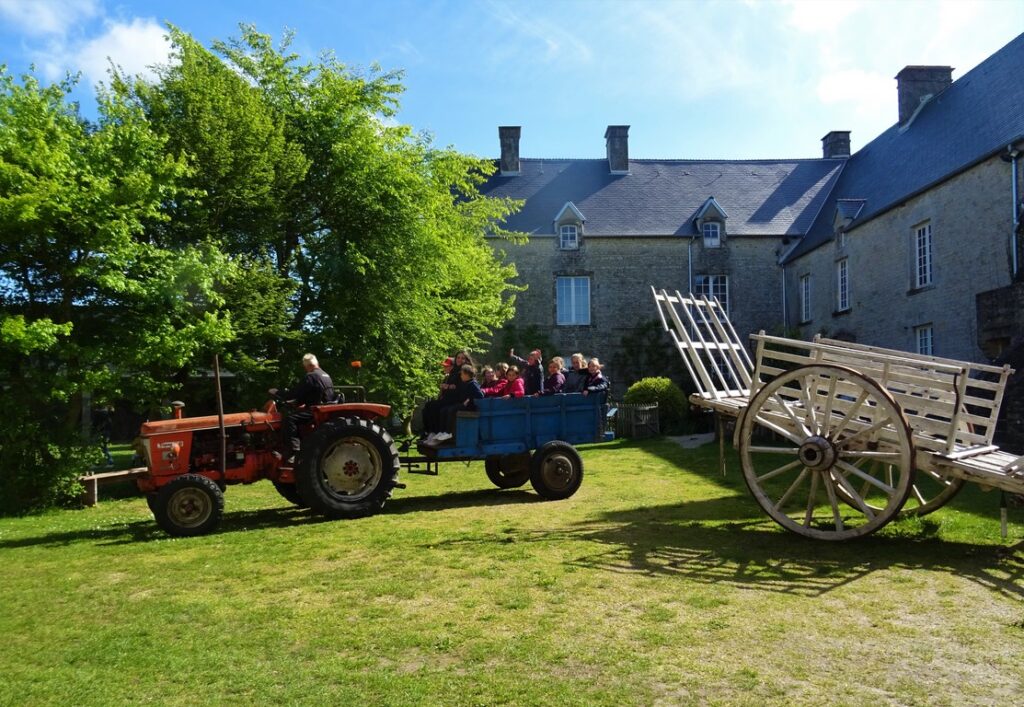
781,470
789,492
866,432
889,490
827,416
917,494
782,431
806,397
858,499
792,416
810,499
775,450
836,515
880,456
851,413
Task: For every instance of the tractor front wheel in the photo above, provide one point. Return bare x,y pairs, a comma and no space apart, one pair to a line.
347,468
290,493
189,505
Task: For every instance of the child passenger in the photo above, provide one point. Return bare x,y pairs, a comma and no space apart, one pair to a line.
533,375
467,392
595,382
556,379
576,376
514,387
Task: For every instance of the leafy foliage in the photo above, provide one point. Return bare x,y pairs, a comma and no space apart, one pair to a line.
669,397
246,203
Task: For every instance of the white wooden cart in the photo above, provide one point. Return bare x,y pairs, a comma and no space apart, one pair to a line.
835,438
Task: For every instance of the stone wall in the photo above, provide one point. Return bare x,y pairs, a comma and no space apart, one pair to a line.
1001,335
971,221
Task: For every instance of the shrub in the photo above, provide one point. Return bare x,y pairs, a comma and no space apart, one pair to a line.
668,395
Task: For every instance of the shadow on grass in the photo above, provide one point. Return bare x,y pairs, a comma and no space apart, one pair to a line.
680,540
235,521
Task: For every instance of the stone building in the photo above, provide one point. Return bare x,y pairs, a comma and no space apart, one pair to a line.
890,246
602,231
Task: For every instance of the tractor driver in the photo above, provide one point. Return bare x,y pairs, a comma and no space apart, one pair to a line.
316,388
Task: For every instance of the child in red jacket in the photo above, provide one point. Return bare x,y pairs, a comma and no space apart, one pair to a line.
515,387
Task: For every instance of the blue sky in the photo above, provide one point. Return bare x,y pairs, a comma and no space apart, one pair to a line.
693,79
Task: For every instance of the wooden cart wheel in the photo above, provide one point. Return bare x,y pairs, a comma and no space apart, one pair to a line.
831,421
930,491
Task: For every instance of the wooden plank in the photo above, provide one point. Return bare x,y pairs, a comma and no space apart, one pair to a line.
92,482
921,357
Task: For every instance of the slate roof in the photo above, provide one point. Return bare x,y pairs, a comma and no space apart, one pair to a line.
979,114
661,197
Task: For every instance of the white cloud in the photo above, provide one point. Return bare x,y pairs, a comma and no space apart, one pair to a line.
819,16
47,17
134,46
554,41
866,94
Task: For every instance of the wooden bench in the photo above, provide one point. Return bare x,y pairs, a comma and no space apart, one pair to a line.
91,482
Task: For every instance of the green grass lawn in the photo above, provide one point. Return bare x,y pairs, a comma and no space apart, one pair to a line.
660,582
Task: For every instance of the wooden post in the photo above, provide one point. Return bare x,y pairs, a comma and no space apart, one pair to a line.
220,421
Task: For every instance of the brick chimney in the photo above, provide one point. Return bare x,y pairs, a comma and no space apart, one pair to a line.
508,135
616,140
917,83
836,144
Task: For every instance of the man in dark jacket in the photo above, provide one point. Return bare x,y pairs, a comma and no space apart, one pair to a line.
315,389
533,371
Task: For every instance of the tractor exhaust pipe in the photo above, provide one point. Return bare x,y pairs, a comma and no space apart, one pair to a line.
220,421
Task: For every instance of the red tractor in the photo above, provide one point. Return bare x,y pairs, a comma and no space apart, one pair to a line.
348,466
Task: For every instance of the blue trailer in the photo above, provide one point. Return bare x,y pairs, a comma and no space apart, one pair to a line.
523,439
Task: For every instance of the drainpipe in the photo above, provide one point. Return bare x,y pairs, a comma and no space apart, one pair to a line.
785,309
689,266
1016,216
1011,157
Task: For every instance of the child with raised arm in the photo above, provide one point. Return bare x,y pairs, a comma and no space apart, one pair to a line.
533,375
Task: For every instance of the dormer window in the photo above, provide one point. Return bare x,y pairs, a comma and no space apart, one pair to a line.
569,237
709,222
712,234
569,227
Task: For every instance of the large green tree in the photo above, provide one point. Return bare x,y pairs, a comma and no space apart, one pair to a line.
89,305
303,165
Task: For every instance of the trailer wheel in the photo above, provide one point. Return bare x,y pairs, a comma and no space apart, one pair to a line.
151,502
189,505
290,493
347,468
556,471
508,471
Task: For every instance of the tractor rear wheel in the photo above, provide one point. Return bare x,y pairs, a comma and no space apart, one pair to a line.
189,505
556,471
347,468
290,493
508,471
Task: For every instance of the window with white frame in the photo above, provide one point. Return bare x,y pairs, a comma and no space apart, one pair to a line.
572,300
805,298
924,338
842,285
712,234
713,286
569,237
923,255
